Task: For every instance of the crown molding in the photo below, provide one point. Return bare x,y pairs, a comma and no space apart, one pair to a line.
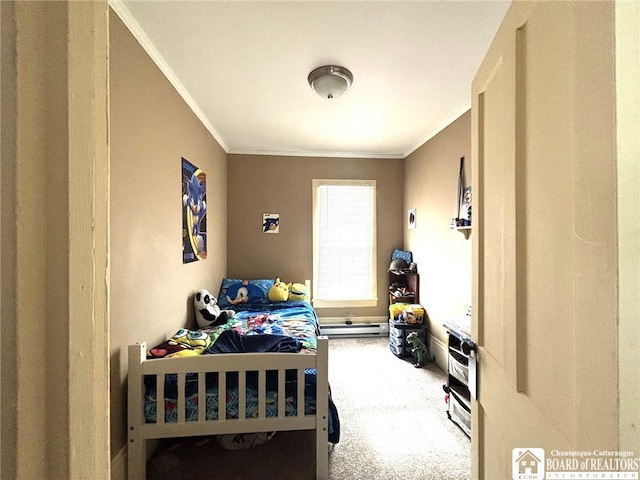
448,121
370,155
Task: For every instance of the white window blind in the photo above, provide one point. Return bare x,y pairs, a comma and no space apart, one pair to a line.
344,242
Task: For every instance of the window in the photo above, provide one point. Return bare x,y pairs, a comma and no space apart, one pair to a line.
344,243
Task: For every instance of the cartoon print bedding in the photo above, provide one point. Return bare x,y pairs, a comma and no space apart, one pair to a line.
296,320
284,327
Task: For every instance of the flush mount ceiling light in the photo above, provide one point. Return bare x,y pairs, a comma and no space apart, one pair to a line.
330,81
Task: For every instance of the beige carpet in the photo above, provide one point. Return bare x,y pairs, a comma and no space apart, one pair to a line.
394,426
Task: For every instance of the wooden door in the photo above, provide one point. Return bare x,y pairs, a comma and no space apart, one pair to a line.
544,237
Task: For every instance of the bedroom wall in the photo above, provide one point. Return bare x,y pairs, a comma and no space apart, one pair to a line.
151,290
443,255
282,184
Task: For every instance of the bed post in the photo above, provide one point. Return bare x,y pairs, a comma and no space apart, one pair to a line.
137,461
322,409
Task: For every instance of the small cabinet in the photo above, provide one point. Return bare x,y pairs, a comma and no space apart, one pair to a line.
403,287
398,332
457,386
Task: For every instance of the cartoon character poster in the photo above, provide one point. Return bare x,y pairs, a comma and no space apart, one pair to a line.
270,223
194,210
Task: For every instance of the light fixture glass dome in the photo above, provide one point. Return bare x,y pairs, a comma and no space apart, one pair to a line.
330,81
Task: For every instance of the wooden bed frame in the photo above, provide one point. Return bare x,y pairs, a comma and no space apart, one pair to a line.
140,431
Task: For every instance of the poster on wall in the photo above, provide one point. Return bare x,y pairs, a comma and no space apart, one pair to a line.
411,219
270,223
465,208
194,210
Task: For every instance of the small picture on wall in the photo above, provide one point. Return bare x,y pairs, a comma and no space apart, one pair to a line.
194,210
270,223
465,208
411,219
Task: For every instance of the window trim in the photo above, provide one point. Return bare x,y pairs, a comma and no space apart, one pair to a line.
372,301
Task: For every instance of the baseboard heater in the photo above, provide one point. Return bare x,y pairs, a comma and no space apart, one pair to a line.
354,329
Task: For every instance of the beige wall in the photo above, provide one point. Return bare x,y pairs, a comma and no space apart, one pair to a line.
443,255
151,129
273,184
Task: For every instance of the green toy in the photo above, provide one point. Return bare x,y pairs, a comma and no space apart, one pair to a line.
419,350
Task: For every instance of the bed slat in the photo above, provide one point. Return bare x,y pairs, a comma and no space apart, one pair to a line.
282,394
242,395
182,407
202,397
160,379
300,407
222,396
262,394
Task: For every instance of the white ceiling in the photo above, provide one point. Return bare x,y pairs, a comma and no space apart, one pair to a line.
243,67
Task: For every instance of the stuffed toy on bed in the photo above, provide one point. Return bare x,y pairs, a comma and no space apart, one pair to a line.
279,292
298,291
208,313
184,343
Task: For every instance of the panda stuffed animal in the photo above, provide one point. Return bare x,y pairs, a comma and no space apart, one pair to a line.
208,313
